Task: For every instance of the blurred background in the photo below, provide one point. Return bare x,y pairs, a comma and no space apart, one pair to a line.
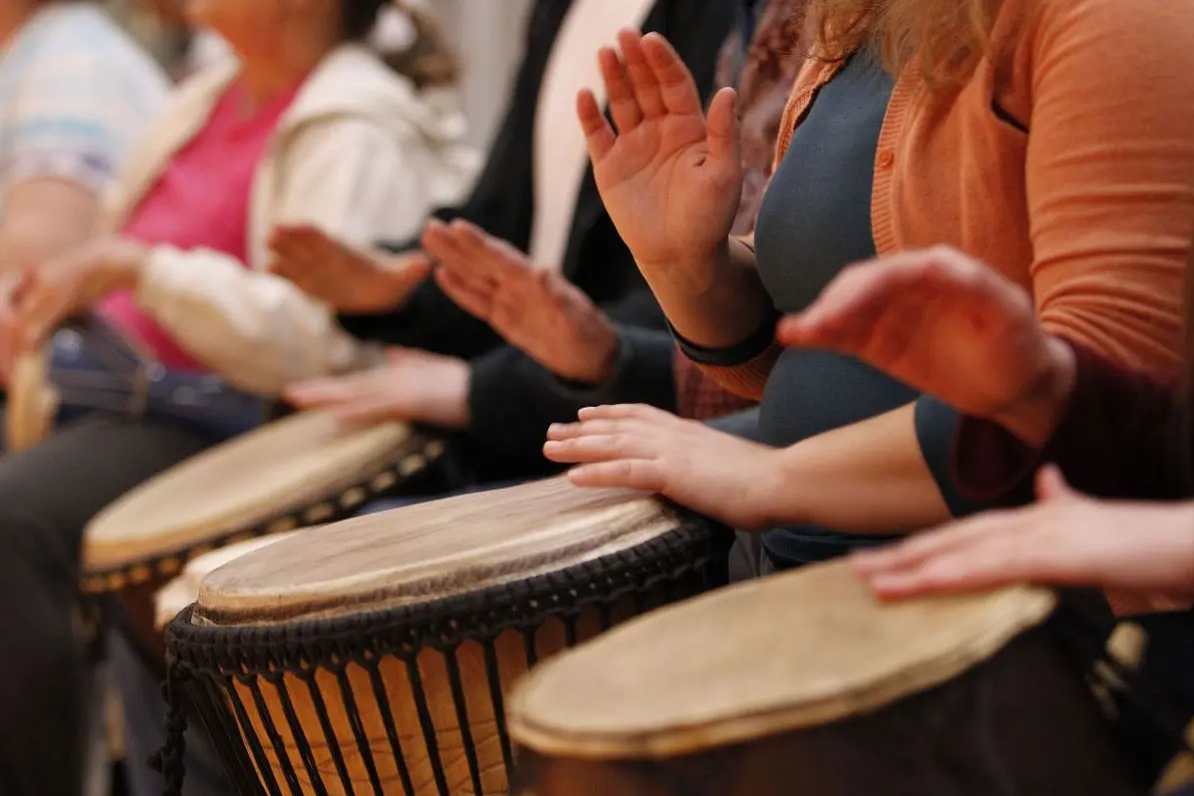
488,46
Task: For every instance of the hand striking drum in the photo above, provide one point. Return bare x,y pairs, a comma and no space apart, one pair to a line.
372,656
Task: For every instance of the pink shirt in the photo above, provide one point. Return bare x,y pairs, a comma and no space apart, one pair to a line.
201,200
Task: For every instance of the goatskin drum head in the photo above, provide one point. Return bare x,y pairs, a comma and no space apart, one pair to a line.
430,551
296,461
775,655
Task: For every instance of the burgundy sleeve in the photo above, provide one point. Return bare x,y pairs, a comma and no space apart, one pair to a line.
1116,440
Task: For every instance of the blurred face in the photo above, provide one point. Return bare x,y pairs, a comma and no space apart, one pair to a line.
249,26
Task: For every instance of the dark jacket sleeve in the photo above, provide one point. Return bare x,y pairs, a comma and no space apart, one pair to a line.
512,399
500,203
1119,438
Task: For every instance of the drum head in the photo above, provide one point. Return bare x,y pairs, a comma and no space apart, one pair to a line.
184,590
780,654
294,462
430,551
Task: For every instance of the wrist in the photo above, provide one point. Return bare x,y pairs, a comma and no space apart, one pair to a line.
776,488
723,304
1036,415
602,363
123,262
448,406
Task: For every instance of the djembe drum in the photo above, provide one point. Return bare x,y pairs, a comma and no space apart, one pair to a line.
89,366
802,684
302,470
372,656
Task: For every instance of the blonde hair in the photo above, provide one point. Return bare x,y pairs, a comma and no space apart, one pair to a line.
943,38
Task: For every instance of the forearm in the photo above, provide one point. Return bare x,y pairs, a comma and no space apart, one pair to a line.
869,477
257,331
722,305
43,220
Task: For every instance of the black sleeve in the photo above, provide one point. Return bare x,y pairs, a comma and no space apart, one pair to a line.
500,203
513,399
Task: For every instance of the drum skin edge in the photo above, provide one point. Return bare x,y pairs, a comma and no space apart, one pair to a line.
413,457
746,728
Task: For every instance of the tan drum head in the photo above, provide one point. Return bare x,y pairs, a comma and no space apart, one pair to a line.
775,655
306,462
32,402
184,590
430,551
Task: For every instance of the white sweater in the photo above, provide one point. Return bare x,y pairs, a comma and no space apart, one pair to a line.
359,153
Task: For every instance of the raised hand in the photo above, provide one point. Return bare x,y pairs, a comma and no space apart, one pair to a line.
349,279
565,332
1131,550
647,449
671,180
949,326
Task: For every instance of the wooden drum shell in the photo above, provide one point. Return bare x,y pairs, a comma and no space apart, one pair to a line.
409,700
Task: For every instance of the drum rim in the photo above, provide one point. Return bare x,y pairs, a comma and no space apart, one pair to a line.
306,644
417,452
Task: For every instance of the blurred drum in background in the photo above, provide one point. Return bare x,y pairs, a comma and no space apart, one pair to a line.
303,470
88,366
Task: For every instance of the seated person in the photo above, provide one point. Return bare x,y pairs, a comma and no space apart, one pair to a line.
567,334
308,126
76,96
867,457
537,195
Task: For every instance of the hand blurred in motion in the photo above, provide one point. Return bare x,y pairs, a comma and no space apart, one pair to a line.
949,326
1133,551
643,448
36,300
349,279
414,386
670,179
537,311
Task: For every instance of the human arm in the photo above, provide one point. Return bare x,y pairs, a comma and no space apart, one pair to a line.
849,481
257,329
1067,539
71,116
43,219
938,321
671,180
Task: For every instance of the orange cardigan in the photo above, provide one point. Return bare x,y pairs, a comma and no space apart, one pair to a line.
1065,162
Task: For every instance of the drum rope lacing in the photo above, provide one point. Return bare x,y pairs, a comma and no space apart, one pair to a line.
206,663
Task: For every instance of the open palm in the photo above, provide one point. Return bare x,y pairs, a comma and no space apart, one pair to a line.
936,320
670,180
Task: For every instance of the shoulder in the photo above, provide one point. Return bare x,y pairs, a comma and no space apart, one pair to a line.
1124,33
353,90
80,42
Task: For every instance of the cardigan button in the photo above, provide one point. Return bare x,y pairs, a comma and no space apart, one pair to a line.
886,159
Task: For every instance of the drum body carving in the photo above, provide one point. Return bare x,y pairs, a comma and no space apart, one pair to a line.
302,470
372,657
801,684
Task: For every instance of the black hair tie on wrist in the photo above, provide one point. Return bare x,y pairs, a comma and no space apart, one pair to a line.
738,354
